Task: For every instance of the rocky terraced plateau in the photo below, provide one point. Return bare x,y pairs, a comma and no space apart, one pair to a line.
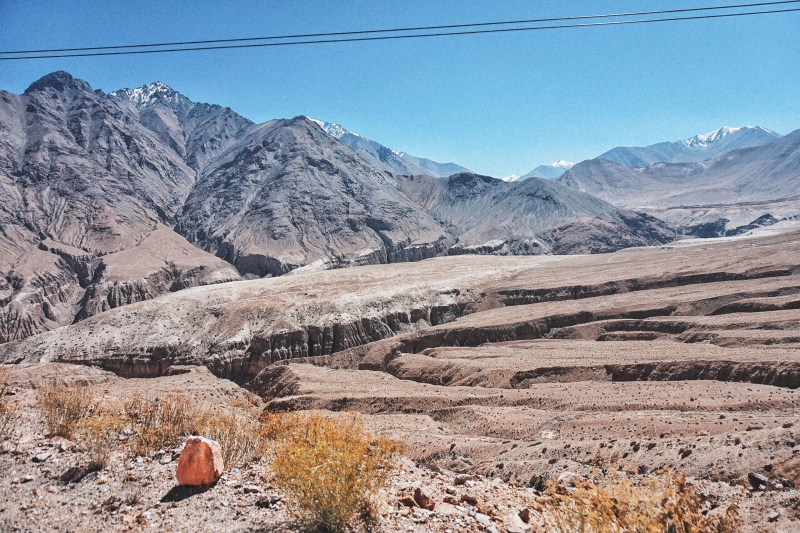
512,369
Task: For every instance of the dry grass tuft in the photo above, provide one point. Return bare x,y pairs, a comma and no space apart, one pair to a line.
99,433
8,411
160,422
658,504
239,436
330,468
62,407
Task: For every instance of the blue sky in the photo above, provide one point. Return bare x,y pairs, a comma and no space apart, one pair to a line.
499,104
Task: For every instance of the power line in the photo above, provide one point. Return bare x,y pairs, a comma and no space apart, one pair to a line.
407,29
412,36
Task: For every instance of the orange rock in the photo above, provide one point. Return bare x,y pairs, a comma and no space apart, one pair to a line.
423,500
200,462
451,500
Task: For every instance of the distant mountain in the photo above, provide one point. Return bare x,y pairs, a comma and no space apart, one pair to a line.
383,158
694,149
764,173
288,194
549,172
534,216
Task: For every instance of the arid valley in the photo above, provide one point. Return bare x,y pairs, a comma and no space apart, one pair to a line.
513,369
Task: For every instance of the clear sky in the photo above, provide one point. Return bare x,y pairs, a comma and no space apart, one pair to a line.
499,104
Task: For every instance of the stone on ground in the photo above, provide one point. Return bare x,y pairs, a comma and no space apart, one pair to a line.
200,462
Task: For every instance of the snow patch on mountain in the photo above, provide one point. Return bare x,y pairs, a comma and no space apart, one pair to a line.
146,94
703,140
332,129
383,158
551,172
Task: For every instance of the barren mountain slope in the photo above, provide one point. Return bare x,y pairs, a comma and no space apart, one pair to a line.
197,132
288,194
81,180
533,216
383,158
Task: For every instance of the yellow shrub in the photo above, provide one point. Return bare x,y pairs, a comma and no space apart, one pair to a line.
62,407
656,505
99,436
329,468
238,435
275,425
8,411
160,422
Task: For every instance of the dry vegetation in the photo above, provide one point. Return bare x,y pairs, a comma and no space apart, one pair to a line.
239,435
330,468
160,422
8,412
62,407
658,504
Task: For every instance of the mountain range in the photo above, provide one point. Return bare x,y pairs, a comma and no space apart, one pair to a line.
754,185
383,158
692,150
110,199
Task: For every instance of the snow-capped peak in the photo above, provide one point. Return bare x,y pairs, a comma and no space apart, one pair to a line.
702,141
332,129
711,137
552,171
510,178
143,95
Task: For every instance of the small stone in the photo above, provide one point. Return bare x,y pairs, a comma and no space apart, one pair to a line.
469,498
102,481
268,501
423,500
200,462
463,478
166,459
757,480
42,457
408,501
451,500
482,519
492,529
525,515
446,508
514,524
27,479
52,489
251,489
773,516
